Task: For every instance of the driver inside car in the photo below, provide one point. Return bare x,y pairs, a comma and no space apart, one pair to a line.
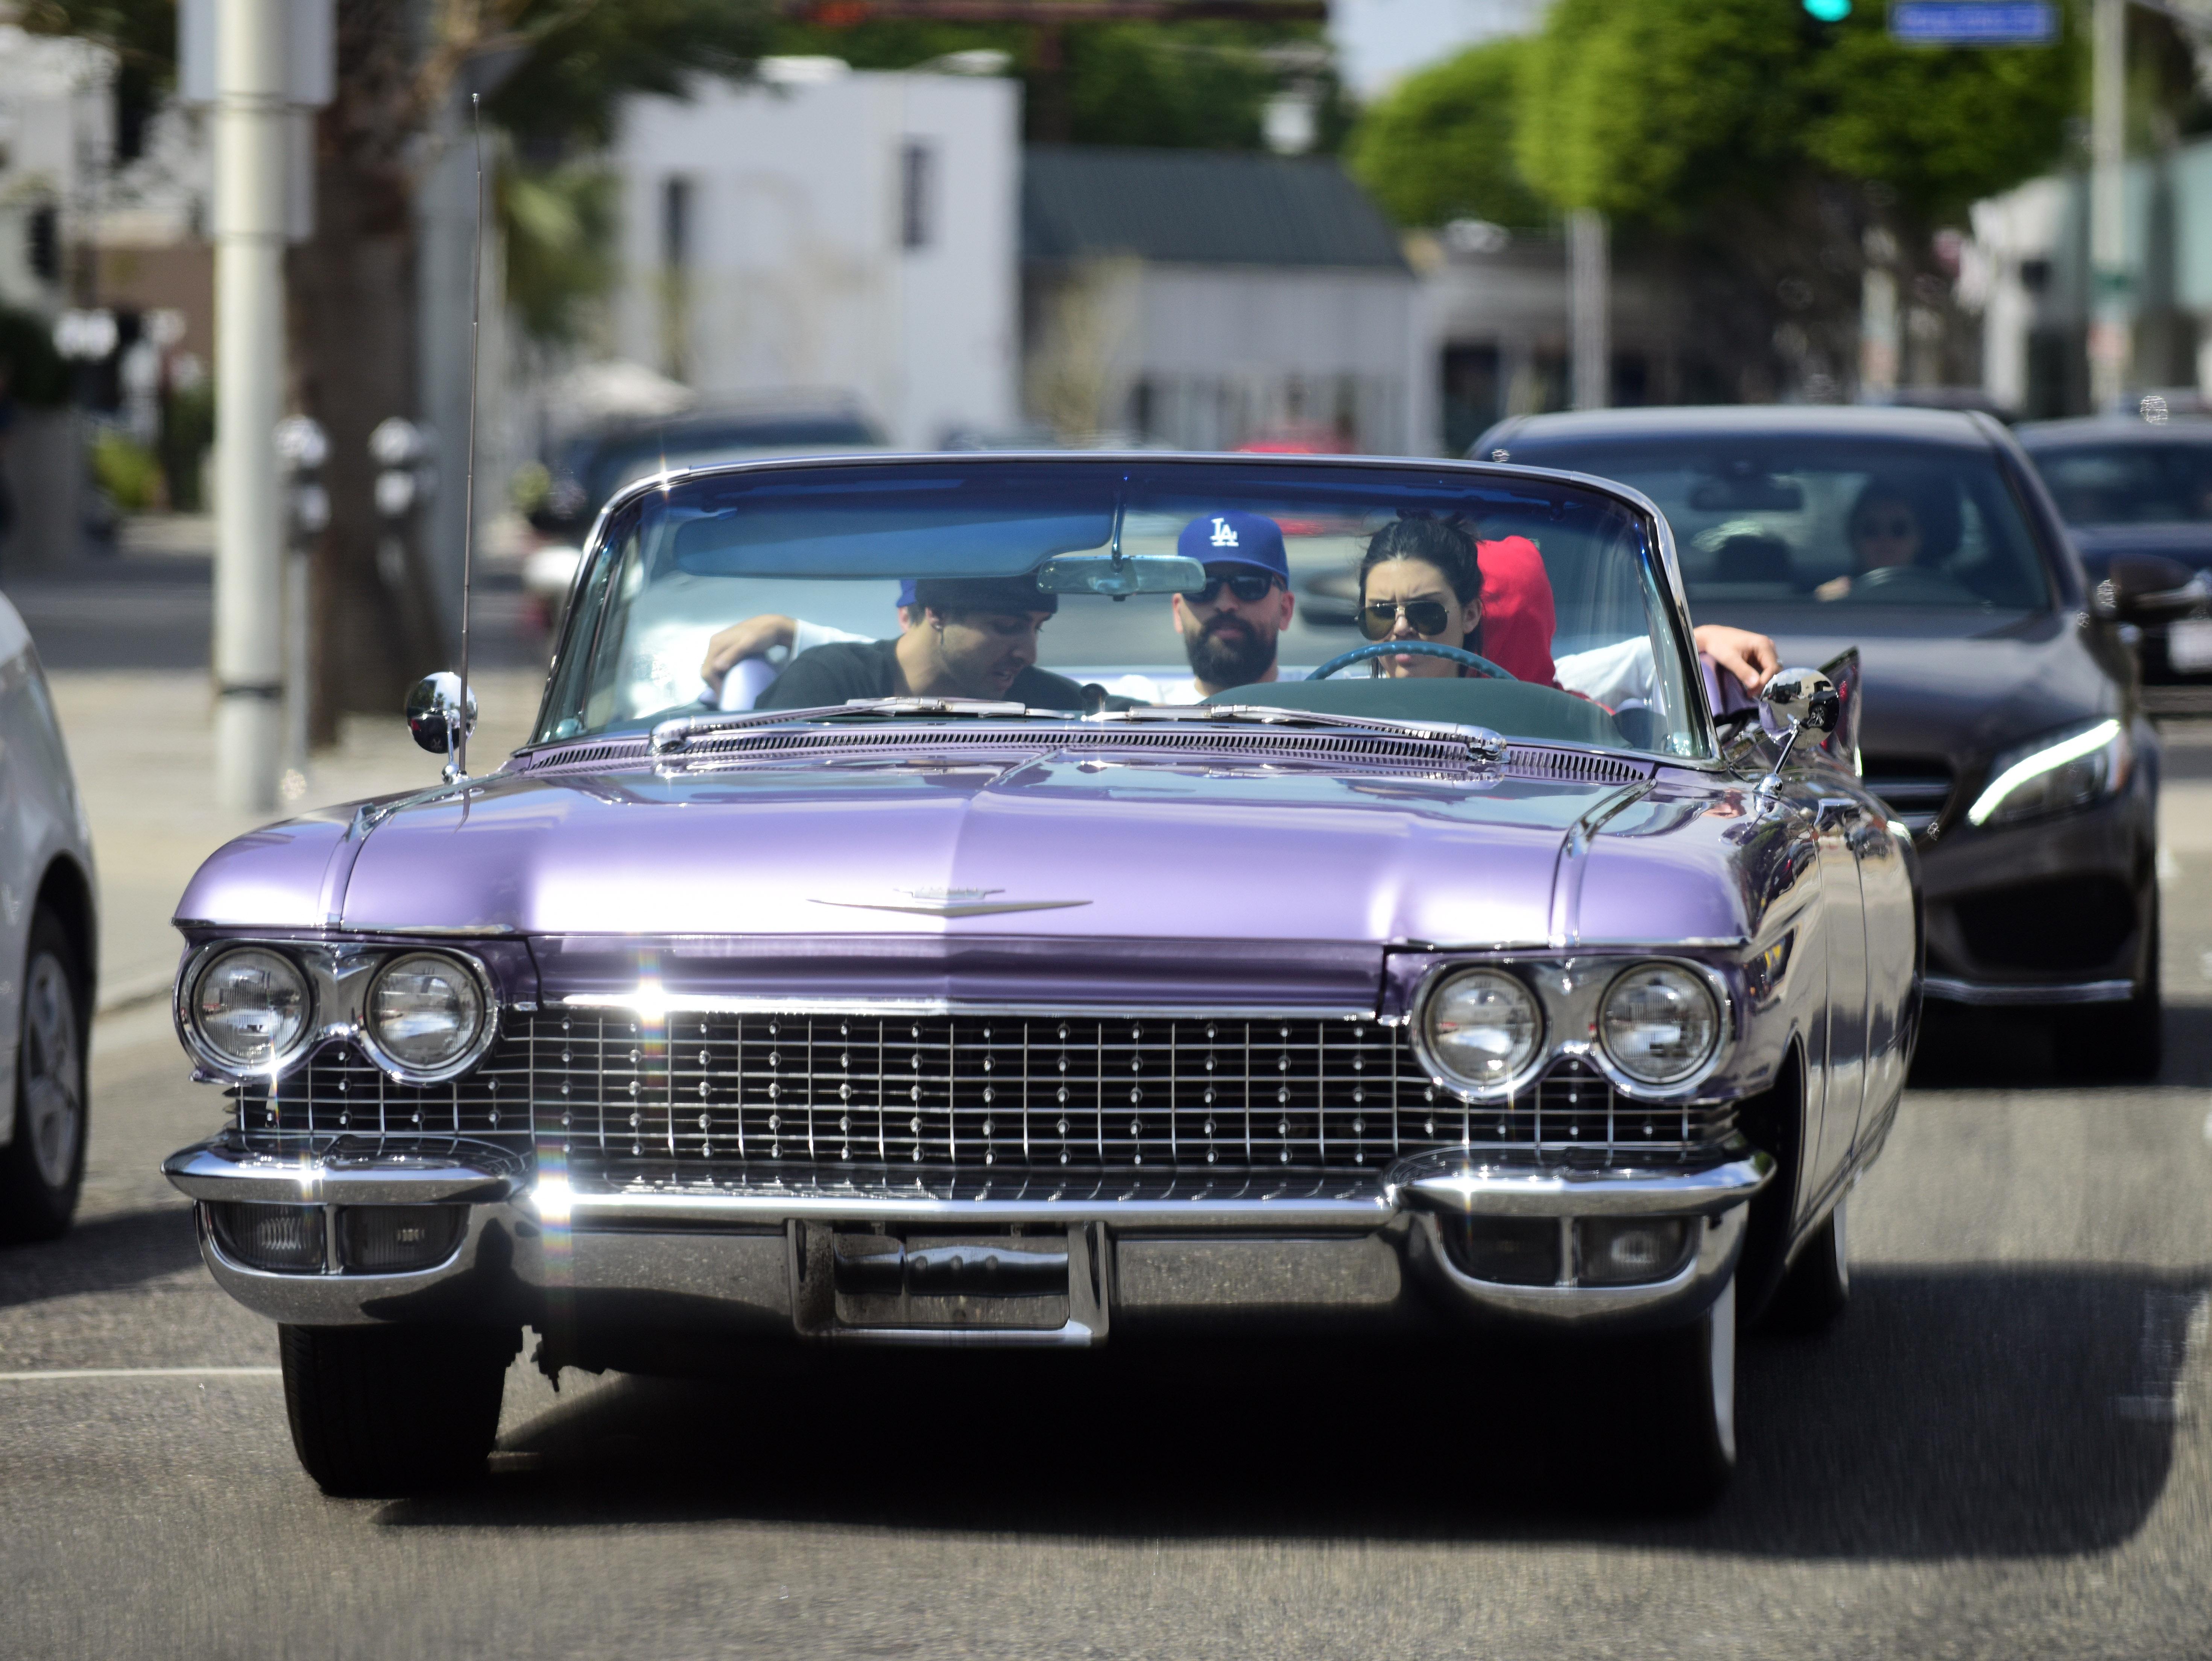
1888,528
975,637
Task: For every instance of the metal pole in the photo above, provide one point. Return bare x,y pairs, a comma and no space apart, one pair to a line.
249,157
2109,322
1590,308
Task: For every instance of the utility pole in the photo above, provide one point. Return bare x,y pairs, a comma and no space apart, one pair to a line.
1590,306
2109,318
250,79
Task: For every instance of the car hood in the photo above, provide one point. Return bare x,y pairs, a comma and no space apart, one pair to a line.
1933,690
1042,846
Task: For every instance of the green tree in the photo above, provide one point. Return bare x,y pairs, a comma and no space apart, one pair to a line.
1440,146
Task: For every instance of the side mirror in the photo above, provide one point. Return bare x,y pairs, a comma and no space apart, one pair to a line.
2146,588
1808,699
433,715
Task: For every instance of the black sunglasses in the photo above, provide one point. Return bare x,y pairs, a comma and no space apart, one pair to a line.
1246,586
1378,617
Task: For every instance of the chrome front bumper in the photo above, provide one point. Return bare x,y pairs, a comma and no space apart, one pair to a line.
762,1264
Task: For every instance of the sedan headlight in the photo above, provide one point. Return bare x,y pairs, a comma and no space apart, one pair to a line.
250,1007
1482,1028
426,1012
1659,1023
2066,770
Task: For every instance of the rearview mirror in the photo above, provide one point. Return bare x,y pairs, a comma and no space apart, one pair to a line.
1121,574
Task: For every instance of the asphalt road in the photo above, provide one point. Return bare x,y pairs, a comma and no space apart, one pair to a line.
2005,1450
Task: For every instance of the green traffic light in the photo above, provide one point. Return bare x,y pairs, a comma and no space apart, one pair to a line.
1829,11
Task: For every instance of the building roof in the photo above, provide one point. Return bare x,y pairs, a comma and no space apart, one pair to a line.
1199,208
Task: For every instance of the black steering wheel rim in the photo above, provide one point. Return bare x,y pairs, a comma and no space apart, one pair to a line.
1482,668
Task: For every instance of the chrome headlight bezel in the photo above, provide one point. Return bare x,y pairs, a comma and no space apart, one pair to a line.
338,974
2101,748
1570,989
1425,1048
1716,1003
185,1010
474,973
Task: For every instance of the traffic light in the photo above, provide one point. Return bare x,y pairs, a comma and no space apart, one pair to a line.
1829,11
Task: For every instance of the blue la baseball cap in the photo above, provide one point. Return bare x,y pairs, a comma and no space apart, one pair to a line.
1236,537
906,594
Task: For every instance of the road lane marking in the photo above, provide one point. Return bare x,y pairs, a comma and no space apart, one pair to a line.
62,1374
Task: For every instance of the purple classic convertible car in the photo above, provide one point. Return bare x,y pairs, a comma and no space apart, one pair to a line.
959,993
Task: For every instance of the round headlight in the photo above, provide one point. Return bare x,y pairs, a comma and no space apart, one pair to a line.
425,1010
250,1006
1659,1023
1483,1028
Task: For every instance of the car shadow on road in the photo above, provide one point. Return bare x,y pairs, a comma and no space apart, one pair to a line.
104,1255
1954,1413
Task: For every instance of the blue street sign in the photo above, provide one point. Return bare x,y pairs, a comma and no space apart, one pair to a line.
1974,22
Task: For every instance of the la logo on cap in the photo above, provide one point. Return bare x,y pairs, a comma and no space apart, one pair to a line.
1225,534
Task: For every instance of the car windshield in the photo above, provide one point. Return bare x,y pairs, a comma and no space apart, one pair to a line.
1572,599
2163,484
1828,522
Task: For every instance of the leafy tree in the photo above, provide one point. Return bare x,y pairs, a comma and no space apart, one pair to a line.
1440,146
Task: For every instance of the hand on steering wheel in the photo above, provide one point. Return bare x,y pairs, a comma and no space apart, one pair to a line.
1480,667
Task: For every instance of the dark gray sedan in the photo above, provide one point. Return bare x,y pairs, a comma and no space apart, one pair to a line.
2001,725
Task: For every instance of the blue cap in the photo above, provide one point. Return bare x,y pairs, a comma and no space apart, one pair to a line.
906,594
1236,537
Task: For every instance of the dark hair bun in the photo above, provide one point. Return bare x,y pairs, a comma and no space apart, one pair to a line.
1447,544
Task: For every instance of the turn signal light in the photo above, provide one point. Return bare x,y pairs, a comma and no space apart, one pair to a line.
390,1239
283,1239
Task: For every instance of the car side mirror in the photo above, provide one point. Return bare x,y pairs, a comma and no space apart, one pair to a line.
1807,701
433,715
2145,588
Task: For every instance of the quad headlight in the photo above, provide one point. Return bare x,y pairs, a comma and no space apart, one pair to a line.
250,1008
1482,1028
2056,772
1659,1023
427,1014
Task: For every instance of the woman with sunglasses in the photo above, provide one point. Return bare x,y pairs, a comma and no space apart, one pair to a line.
1421,580
1888,528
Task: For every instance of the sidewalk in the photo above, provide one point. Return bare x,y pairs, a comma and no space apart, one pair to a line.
141,745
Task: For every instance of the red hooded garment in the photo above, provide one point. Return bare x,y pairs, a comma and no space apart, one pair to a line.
1518,614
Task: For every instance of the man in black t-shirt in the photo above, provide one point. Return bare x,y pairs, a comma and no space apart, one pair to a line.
977,637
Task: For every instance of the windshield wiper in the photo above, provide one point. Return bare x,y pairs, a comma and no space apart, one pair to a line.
672,737
1486,744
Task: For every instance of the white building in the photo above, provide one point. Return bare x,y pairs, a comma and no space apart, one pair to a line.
1210,301
828,232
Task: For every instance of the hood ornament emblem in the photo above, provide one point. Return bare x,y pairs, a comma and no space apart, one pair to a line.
949,902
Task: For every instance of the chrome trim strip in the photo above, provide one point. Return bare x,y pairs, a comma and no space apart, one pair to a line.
1455,1186
1984,995
649,1005
582,1209
221,1169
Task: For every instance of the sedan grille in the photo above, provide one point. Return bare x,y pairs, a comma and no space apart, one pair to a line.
971,1104
1913,790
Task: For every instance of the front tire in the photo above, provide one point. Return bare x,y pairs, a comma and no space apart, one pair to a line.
42,1167
1816,1291
1682,1451
382,1412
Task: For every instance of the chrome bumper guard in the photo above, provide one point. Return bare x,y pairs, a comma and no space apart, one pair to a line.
770,1264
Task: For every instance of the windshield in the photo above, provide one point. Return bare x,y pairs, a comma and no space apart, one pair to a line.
2130,483
1539,610
1829,523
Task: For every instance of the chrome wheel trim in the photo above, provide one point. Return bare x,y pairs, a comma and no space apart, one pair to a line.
52,1112
1842,1248
1721,1367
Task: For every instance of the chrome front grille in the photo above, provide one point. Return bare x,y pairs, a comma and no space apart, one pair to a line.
1006,1097
341,1093
1058,1105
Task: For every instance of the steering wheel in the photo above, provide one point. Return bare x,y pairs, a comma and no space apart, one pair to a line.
1481,667
1910,583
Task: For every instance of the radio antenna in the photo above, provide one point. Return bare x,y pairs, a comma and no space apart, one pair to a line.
469,467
